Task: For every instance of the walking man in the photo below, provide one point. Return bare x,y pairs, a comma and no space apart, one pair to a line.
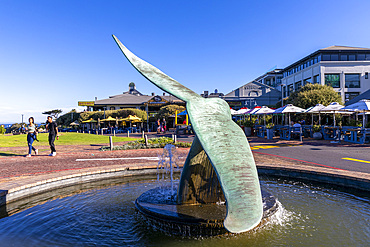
53,132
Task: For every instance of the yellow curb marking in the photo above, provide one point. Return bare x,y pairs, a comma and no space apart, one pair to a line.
271,146
364,161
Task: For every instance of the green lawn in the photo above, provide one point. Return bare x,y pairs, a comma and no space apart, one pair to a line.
64,139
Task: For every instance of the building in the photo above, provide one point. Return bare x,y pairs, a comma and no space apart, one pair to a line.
133,99
253,94
271,78
344,68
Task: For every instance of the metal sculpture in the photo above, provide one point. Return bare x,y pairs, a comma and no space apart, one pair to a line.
220,148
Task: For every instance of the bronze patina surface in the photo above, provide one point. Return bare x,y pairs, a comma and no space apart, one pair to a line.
222,141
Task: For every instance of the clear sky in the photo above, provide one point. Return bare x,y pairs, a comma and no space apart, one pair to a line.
56,53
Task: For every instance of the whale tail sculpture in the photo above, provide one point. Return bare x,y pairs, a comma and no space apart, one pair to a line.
220,147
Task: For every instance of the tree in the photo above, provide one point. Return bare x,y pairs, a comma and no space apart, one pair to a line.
54,113
312,94
169,110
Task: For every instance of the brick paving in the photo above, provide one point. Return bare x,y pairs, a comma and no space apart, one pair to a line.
18,171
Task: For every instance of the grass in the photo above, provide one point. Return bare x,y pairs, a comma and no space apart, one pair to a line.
64,139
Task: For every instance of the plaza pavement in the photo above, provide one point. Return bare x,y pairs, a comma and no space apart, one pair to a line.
18,172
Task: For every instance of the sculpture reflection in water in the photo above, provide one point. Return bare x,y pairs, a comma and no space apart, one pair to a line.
219,167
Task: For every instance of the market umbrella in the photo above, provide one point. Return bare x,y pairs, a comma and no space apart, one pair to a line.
361,106
289,108
242,111
108,119
315,109
233,112
89,121
131,118
75,123
183,113
263,111
333,107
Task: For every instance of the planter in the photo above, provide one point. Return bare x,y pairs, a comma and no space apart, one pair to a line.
248,131
269,133
317,136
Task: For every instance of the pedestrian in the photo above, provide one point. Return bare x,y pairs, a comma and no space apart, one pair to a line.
53,132
158,126
164,124
31,136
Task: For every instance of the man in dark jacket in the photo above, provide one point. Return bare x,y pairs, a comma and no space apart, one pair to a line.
53,132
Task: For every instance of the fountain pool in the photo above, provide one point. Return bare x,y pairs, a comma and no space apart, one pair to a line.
103,214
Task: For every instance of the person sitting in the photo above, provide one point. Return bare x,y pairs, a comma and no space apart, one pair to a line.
296,130
297,124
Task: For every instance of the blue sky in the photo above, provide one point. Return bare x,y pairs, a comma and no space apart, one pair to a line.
56,53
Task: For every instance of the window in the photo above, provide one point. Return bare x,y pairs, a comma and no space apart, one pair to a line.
334,57
343,57
352,80
298,85
112,108
284,92
367,56
316,79
351,95
325,57
332,80
352,57
290,89
366,75
306,81
278,79
360,57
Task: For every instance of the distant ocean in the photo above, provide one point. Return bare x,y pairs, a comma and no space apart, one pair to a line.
7,125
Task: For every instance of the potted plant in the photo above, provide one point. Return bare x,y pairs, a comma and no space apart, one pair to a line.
248,124
317,135
269,130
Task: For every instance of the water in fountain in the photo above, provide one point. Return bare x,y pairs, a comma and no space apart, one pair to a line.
167,165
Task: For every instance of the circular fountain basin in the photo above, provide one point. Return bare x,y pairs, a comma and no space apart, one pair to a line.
104,214
160,208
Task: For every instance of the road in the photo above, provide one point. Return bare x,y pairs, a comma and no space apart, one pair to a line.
346,157
342,157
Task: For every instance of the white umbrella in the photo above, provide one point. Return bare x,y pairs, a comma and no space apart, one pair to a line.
333,107
264,110
242,111
315,109
361,106
233,112
289,108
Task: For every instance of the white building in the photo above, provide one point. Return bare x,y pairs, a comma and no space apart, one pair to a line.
344,68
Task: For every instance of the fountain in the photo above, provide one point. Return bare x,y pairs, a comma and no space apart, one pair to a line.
97,209
219,187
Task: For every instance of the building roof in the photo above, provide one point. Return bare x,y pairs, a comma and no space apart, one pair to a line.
232,93
124,99
364,95
343,48
132,99
329,49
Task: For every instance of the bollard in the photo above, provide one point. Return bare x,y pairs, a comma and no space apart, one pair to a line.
111,143
114,132
102,132
175,139
146,140
128,133
142,135
97,133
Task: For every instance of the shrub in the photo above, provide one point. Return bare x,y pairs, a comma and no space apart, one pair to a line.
159,142
2,130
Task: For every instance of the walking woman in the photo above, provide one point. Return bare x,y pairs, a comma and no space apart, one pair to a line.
31,136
